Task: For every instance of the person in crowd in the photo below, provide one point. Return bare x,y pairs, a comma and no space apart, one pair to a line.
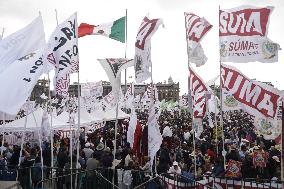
175,169
88,151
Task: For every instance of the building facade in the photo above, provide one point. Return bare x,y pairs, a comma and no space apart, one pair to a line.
168,91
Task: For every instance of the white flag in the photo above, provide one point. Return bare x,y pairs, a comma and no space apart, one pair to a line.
154,135
62,52
113,68
197,126
21,43
129,96
243,35
132,127
269,128
143,48
92,89
109,101
45,126
196,28
18,81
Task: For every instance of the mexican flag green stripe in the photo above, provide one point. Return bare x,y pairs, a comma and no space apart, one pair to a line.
118,30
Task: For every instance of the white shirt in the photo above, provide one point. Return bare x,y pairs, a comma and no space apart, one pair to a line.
167,132
88,152
175,171
127,160
186,135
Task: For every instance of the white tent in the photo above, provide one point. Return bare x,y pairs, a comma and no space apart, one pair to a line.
34,120
111,114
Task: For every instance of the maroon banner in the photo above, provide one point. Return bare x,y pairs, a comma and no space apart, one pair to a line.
244,21
197,91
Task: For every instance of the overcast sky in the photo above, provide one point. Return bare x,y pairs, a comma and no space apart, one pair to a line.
169,54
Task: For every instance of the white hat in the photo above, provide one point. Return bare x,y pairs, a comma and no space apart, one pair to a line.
87,145
175,163
100,146
276,158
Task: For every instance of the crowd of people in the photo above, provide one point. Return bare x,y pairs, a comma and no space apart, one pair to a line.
177,154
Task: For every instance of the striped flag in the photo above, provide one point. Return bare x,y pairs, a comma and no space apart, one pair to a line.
114,30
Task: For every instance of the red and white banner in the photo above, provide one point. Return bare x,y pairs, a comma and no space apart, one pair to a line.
243,35
196,28
256,98
197,91
259,158
239,184
234,169
143,48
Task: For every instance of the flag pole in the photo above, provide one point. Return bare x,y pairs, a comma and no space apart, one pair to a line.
79,114
23,137
190,103
70,140
71,133
221,112
125,51
216,125
51,111
282,143
40,145
3,132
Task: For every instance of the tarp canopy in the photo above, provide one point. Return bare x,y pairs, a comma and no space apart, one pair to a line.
34,119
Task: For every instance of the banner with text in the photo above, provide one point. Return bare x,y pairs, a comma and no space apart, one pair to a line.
243,35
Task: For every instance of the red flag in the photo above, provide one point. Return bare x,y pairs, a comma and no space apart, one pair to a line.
85,29
137,137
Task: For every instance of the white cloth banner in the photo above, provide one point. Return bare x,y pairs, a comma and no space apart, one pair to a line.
94,89
113,68
197,126
256,98
18,81
45,127
21,43
129,96
132,127
269,128
109,101
143,48
62,52
196,28
243,35
154,136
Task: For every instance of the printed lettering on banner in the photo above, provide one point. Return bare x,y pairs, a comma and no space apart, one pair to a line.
258,99
243,35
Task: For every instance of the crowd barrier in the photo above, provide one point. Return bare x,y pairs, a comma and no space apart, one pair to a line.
229,183
30,178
